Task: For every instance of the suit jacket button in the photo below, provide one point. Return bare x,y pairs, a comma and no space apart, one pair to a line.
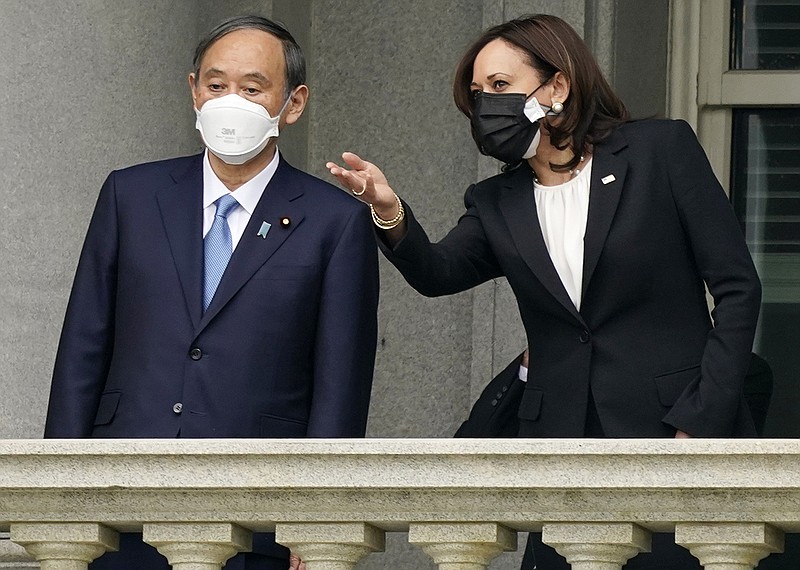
499,395
494,402
585,337
177,408
195,353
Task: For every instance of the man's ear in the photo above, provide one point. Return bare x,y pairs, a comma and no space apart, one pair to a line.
296,105
193,89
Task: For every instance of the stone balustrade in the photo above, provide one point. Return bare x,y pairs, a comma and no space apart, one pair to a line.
462,501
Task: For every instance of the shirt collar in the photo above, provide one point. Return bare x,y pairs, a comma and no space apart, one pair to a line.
248,194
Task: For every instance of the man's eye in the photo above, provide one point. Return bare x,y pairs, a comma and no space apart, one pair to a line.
251,90
215,87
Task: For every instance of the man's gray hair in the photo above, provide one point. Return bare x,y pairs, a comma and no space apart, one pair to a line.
295,61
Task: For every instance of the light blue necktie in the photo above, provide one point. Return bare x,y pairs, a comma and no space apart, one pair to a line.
217,248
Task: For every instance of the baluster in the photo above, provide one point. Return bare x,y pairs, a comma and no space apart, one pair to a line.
596,546
462,546
64,546
330,546
729,546
197,546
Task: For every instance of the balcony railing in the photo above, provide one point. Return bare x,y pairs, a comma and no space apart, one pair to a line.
462,501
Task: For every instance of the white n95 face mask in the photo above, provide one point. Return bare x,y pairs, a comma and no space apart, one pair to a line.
235,129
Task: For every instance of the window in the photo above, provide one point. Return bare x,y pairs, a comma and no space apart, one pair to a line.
747,108
765,34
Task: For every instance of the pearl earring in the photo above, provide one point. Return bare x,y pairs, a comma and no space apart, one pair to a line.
557,107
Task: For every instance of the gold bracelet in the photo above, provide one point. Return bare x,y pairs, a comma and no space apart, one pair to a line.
389,224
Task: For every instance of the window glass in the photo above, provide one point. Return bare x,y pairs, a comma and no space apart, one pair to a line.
765,188
765,34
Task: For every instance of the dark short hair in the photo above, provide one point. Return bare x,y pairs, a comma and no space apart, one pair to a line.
292,53
592,110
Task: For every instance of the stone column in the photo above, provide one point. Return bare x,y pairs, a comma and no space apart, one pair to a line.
64,546
596,546
729,546
330,546
462,546
66,152
197,546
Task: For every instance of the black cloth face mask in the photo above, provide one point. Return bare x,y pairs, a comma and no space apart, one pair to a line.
500,126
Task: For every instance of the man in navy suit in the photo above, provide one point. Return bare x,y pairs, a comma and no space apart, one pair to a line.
194,315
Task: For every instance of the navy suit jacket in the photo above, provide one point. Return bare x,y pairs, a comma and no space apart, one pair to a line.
659,230
286,348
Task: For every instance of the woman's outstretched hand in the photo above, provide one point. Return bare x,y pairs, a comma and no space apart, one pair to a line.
367,183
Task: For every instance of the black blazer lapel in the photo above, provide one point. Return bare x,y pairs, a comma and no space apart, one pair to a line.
519,210
181,209
277,202
608,178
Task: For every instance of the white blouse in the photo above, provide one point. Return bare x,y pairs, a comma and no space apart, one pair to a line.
563,211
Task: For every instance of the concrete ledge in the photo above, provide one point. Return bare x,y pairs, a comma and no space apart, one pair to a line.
391,483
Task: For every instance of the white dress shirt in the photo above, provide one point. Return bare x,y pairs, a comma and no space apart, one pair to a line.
563,211
248,195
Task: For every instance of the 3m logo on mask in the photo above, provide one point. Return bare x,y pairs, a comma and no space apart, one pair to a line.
229,132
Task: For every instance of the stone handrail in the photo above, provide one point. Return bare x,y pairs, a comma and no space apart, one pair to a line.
462,501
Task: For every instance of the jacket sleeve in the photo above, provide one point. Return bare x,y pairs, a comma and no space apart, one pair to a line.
709,406
460,261
347,331
84,351
494,413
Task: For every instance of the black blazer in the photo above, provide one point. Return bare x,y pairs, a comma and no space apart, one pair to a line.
494,413
659,229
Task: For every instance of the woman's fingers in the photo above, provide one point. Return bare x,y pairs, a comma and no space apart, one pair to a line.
351,180
345,177
355,182
354,161
358,164
364,180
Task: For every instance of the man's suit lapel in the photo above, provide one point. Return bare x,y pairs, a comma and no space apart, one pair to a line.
519,210
608,178
277,202
181,209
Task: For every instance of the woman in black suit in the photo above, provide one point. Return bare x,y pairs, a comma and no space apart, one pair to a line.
608,231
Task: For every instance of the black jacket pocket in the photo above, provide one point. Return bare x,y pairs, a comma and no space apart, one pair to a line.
671,385
107,408
531,405
275,427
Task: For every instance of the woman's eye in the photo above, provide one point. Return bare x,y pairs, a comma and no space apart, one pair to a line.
499,84
474,93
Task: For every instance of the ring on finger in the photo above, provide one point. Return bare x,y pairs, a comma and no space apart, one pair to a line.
364,189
